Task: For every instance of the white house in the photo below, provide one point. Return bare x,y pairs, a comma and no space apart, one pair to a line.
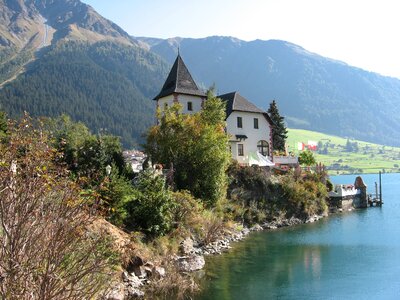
250,130
249,127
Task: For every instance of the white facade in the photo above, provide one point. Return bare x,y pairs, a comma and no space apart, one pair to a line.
343,190
254,135
184,100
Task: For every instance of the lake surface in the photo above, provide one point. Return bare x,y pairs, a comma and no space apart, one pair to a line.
353,255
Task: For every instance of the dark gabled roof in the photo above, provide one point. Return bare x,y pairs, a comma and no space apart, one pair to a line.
236,102
179,81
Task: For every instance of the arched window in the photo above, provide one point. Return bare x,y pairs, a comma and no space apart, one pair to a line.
263,147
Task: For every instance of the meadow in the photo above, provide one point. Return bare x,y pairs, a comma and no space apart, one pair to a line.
346,156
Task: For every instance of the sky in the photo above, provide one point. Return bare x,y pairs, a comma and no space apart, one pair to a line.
362,33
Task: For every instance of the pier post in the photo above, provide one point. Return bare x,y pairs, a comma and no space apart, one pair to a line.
380,188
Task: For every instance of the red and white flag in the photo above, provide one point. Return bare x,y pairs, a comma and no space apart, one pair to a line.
312,145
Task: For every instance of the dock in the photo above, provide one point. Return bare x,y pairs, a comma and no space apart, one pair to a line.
348,196
376,199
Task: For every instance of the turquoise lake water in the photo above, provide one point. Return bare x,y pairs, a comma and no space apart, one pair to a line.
353,255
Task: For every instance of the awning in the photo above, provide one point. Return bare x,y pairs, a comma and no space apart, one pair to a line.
256,158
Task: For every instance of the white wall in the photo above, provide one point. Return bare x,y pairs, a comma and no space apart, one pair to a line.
183,100
253,135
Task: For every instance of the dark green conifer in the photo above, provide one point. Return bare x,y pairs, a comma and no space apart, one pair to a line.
279,131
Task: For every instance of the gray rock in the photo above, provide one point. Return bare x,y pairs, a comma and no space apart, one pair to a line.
186,246
117,293
245,231
159,272
256,227
191,263
135,293
140,272
148,270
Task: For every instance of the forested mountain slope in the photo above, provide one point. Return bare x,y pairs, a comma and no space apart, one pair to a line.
90,69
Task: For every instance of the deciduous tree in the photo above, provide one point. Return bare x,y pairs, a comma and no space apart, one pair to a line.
196,146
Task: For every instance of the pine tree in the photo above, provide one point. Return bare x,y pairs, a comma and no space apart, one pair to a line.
279,131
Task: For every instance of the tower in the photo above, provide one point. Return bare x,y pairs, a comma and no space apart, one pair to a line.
180,88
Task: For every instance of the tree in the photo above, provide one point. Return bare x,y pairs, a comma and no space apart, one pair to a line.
84,153
3,124
279,131
196,146
307,158
46,248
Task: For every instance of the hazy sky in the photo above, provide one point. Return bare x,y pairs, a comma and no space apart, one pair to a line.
362,33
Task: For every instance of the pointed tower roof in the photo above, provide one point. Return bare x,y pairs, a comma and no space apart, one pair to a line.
179,81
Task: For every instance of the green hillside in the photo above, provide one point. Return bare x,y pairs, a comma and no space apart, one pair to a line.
344,156
62,57
106,85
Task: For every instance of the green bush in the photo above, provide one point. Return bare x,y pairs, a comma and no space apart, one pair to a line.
151,207
255,195
186,210
303,198
116,192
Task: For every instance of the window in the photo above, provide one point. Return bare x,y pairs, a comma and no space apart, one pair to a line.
239,122
165,106
189,106
255,123
240,150
263,147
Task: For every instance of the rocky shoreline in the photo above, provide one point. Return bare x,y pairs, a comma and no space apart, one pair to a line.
191,257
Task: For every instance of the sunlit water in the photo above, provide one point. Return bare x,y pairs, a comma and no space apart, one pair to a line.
353,255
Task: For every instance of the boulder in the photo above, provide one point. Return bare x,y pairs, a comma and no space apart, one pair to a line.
159,272
191,263
135,265
256,227
186,247
134,293
245,231
116,293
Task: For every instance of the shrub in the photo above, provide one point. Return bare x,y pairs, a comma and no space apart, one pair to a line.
115,192
186,211
151,205
46,250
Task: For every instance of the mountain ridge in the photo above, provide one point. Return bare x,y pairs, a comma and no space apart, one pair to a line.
313,92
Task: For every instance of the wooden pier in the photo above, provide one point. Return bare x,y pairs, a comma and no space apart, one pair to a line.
376,199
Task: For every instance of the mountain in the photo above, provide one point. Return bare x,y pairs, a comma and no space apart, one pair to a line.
313,92
63,57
